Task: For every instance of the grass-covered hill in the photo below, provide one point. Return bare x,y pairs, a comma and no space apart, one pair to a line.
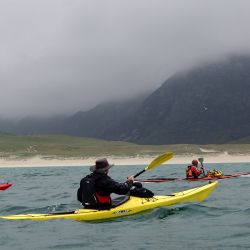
60,146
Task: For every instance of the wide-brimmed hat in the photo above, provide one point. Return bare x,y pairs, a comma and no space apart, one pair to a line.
101,165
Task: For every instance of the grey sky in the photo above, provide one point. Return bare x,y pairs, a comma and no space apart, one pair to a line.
61,56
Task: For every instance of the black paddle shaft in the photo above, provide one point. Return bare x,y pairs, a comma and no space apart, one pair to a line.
201,161
139,173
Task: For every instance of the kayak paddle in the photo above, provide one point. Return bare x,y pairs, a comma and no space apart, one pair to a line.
157,162
201,161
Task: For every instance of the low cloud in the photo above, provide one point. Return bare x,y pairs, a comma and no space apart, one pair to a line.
58,57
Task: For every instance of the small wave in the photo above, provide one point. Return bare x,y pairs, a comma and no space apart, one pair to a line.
57,208
246,211
208,211
79,245
167,212
160,213
39,210
191,210
12,209
30,175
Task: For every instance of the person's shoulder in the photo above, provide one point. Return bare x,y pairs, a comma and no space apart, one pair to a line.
87,176
109,178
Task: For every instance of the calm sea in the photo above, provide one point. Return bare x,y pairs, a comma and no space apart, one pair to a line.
221,222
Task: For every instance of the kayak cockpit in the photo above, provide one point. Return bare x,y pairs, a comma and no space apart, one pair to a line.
119,200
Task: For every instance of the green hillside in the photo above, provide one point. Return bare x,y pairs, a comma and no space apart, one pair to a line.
60,146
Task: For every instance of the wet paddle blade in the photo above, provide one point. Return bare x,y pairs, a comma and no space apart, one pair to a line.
159,160
201,160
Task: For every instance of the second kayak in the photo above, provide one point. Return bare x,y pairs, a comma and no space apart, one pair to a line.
132,206
205,178
5,186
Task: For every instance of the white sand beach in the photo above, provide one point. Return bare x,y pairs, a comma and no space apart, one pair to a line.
49,162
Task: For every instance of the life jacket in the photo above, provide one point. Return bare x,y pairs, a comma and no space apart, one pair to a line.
88,196
189,173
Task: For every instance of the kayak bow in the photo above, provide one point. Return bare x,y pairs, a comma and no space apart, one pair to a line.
133,206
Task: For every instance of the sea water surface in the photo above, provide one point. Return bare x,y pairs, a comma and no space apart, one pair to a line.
221,222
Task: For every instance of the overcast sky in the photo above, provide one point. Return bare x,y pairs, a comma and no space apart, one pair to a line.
61,56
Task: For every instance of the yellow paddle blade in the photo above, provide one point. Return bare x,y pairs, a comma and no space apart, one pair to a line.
159,160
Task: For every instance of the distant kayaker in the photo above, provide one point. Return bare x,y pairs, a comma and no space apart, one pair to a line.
192,171
96,188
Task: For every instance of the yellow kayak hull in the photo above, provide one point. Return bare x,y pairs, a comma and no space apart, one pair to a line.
133,206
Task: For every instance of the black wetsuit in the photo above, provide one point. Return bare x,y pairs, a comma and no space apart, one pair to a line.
105,185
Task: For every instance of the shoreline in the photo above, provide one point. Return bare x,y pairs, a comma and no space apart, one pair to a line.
67,162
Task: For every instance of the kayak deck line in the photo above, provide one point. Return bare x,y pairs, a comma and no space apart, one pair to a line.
133,206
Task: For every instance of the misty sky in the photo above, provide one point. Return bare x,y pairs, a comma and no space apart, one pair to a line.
62,56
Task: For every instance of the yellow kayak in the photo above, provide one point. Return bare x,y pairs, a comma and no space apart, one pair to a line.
134,205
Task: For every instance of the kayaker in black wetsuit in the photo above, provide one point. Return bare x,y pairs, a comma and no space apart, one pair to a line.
96,188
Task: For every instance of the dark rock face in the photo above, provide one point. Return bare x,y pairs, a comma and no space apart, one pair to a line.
206,105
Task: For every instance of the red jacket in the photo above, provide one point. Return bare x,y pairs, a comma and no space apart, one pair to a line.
195,172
